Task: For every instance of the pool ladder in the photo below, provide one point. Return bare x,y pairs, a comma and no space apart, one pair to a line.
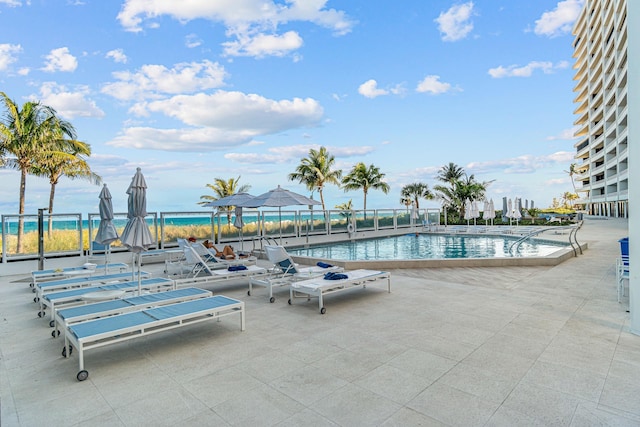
573,240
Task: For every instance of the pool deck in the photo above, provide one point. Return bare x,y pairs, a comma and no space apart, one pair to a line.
466,346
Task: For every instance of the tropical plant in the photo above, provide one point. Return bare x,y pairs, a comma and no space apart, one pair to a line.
345,208
415,192
568,198
450,173
316,171
70,161
572,172
27,134
364,178
222,188
406,201
461,187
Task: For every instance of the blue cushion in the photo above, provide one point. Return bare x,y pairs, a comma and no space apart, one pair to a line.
323,264
335,276
236,268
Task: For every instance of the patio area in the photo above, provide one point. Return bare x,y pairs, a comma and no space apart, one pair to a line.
472,346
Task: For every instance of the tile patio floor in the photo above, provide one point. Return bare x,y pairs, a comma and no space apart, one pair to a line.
514,346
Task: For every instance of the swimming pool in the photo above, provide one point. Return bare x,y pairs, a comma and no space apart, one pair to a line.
423,250
429,246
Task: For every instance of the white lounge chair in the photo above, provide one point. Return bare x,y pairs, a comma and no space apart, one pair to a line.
201,273
198,265
214,262
285,271
121,327
81,313
80,282
77,296
85,270
319,287
622,274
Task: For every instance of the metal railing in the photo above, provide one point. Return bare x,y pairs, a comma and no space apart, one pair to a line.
71,234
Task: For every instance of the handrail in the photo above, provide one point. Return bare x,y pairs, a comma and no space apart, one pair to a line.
572,234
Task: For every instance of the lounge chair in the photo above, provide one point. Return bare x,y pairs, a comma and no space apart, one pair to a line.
97,333
201,272
214,262
319,287
285,271
81,313
79,271
77,296
622,274
79,282
197,265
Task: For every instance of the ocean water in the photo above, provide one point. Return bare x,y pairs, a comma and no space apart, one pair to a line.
68,223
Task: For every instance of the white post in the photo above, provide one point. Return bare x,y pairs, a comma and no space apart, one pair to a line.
633,105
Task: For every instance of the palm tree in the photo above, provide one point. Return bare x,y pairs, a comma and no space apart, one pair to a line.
316,171
222,188
572,172
70,162
450,173
25,135
364,178
416,191
406,201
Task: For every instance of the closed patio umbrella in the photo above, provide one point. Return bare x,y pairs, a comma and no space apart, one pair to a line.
468,211
107,233
489,211
136,235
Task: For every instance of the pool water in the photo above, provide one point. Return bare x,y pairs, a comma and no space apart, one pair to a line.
430,246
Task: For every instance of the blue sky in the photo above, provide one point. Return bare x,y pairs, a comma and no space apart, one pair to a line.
201,89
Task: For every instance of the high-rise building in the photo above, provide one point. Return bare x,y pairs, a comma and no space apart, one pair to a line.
600,52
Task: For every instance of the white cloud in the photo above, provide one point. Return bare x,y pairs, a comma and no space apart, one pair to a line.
560,20
249,113
433,85
60,60
370,89
7,55
566,134
11,3
547,67
455,23
192,40
219,121
248,21
117,55
262,45
152,80
69,104
293,153
524,164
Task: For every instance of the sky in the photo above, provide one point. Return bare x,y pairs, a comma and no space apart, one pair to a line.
194,90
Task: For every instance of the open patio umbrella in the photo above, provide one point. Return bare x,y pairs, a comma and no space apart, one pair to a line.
277,198
107,233
136,235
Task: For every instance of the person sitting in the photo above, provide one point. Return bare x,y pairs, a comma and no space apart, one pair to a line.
227,251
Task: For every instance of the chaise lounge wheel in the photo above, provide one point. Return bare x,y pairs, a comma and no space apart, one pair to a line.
323,310
55,334
272,300
31,285
289,301
40,313
33,290
248,293
82,375
52,323
64,351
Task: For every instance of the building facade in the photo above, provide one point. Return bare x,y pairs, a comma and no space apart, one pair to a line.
601,170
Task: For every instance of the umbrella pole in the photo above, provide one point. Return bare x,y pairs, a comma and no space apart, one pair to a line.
139,281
